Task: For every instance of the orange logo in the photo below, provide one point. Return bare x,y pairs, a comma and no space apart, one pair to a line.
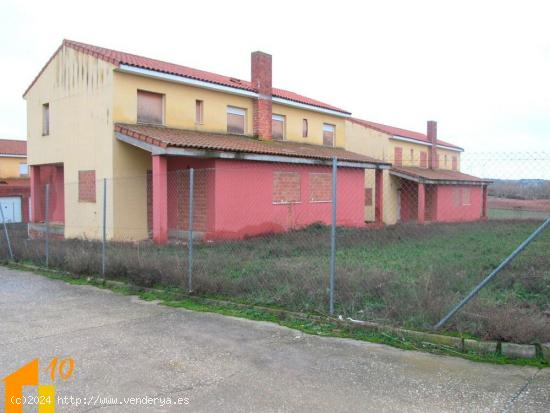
28,375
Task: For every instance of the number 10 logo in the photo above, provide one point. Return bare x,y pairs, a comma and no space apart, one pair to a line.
28,375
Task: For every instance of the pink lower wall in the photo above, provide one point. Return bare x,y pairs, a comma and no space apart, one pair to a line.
448,210
244,199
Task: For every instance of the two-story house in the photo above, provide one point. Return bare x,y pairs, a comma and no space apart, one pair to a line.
424,183
14,180
262,154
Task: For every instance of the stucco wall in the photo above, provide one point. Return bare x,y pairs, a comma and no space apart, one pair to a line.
79,90
449,211
249,209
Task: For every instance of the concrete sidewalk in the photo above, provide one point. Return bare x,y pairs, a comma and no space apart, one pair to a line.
125,347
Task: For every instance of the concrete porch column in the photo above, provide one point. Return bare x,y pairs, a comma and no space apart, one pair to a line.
160,199
37,214
421,203
379,197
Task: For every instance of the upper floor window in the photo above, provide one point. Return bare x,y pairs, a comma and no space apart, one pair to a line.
23,169
236,120
45,119
398,156
199,112
454,163
278,127
329,133
150,107
412,157
305,128
423,159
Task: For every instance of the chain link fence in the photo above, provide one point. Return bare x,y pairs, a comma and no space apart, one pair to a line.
278,238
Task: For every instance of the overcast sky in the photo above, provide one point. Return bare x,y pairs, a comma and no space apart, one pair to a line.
481,69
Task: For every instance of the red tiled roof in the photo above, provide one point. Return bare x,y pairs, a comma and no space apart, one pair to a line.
170,137
443,175
392,130
13,147
118,58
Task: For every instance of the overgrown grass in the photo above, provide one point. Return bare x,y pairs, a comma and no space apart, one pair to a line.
405,275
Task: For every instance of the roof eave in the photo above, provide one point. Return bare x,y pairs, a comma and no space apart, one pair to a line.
428,181
218,154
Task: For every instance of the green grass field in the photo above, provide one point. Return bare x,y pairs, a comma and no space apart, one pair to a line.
406,275
497,213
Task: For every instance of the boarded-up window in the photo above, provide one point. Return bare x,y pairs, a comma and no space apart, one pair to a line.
461,196
86,186
398,156
329,132
305,128
235,120
320,187
455,163
368,196
466,196
150,107
278,127
199,111
45,119
286,187
423,159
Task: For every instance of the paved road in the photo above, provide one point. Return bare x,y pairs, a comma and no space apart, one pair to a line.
125,347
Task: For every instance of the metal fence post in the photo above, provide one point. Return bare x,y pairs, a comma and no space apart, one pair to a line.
47,222
190,236
104,235
6,232
333,238
486,280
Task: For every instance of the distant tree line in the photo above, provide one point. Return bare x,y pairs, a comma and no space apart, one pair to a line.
520,189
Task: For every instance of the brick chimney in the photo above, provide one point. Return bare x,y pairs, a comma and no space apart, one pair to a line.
261,81
432,138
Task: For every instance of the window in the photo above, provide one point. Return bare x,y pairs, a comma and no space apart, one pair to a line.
398,156
278,127
412,157
286,187
461,196
199,112
455,163
466,196
23,169
304,128
437,161
86,186
423,159
235,120
328,134
150,107
445,161
45,119
368,196
320,187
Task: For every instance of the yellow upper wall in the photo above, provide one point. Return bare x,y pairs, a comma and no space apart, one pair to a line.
9,166
380,145
179,109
